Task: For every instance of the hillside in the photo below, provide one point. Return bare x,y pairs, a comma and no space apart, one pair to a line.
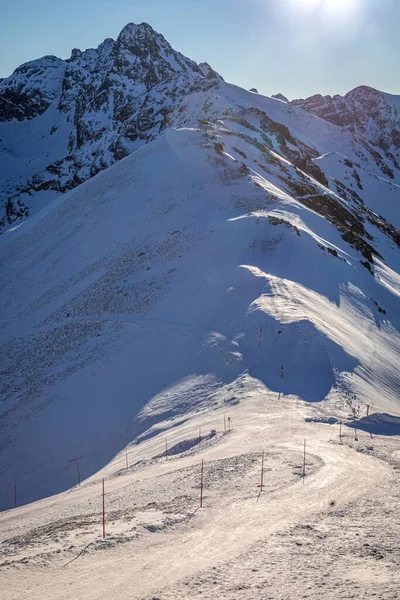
166,293
202,256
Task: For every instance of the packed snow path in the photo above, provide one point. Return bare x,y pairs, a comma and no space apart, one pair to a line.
175,548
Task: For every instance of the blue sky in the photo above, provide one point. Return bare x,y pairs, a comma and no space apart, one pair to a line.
296,47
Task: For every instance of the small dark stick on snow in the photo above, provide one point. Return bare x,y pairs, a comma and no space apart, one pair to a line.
367,410
304,462
229,423
79,472
262,471
201,484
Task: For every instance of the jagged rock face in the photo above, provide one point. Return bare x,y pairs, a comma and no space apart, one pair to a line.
373,114
98,106
31,89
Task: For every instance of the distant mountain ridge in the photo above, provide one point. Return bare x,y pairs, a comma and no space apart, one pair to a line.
64,121
366,111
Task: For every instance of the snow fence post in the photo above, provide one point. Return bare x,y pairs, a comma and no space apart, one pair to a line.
104,513
262,471
79,472
201,483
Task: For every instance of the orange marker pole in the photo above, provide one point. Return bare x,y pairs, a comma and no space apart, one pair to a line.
104,514
262,471
201,484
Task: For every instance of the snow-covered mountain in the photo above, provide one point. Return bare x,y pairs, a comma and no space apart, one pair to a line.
63,121
239,234
368,112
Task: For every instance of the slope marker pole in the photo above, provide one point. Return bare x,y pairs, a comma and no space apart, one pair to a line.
104,513
304,461
201,484
79,471
262,471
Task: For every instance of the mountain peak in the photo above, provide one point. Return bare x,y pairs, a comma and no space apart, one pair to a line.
131,32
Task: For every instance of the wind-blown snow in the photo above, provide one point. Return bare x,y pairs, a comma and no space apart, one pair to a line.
149,289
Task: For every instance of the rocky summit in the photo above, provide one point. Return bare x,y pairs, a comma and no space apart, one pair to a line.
63,121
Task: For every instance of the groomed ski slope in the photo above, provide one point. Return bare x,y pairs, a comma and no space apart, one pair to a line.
333,533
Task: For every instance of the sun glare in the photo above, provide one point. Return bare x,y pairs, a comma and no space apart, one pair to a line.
328,6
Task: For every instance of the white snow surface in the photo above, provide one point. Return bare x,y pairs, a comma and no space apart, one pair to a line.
157,297
159,282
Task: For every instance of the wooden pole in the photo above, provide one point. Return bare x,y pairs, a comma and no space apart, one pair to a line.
126,457
15,494
201,484
262,471
79,472
304,462
367,410
104,514
229,423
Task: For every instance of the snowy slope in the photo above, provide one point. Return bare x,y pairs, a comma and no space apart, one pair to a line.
161,285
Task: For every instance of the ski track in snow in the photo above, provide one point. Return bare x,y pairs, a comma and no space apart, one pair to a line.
175,550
